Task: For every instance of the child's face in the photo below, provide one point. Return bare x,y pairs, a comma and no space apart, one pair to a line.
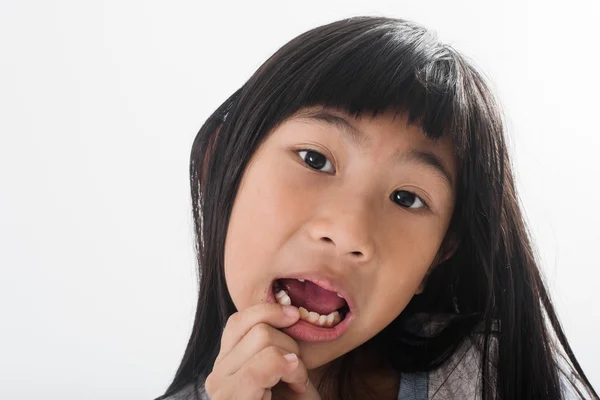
290,220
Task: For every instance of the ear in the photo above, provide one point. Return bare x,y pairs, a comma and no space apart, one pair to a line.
421,287
450,247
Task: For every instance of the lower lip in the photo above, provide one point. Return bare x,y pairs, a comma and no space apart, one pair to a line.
305,331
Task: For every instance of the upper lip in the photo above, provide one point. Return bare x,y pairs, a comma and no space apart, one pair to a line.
326,281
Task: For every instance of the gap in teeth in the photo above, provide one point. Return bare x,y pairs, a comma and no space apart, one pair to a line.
314,318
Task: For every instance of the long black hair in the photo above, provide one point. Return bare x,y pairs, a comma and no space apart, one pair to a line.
492,283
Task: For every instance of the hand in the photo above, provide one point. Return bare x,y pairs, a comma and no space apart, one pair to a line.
254,356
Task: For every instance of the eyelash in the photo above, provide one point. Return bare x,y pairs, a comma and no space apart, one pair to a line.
425,205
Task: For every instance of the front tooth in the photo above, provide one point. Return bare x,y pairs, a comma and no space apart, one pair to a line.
303,313
285,300
313,317
301,280
330,319
280,294
340,296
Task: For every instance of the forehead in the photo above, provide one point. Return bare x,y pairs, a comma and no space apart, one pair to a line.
361,130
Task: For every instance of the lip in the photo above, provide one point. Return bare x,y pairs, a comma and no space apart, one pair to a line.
304,330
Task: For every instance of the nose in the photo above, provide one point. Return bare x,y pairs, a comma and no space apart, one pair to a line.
346,227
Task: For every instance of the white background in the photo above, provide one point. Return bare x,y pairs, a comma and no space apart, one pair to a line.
100,102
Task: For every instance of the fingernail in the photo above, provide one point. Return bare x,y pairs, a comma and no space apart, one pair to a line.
291,311
291,357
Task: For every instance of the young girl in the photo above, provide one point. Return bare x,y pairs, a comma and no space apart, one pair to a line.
359,234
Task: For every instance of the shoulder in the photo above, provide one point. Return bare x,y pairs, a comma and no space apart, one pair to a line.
460,376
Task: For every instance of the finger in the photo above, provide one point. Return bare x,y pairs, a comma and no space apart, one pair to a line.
310,393
260,336
240,323
267,395
297,379
264,370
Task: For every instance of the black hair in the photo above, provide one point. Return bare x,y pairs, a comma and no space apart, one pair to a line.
491,285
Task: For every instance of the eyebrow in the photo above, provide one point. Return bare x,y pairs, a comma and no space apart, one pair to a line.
361,140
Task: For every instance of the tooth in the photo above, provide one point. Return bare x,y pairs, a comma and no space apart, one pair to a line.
280,294
322,320
313,317
340,296
285,300
330,319
301,280
336,317
303,313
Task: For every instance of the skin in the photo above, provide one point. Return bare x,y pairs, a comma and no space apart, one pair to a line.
287,218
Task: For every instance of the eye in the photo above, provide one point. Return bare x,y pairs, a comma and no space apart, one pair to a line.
315,160
408,199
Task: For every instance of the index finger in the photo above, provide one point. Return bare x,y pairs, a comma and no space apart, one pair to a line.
240,323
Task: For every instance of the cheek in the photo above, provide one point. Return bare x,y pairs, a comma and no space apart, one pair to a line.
395,290
399,278
416,241
245,247
263,214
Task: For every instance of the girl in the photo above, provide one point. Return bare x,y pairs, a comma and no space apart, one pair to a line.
359,235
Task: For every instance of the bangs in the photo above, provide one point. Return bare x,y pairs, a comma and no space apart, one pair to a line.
368,66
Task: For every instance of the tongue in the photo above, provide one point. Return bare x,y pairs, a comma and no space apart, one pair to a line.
312,297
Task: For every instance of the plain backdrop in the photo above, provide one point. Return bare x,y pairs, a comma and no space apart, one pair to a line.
100,102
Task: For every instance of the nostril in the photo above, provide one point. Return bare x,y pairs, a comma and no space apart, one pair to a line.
357,253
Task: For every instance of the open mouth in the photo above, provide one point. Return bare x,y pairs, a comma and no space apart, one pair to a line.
318,306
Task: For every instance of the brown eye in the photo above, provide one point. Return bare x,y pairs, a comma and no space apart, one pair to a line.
407,199
315,160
